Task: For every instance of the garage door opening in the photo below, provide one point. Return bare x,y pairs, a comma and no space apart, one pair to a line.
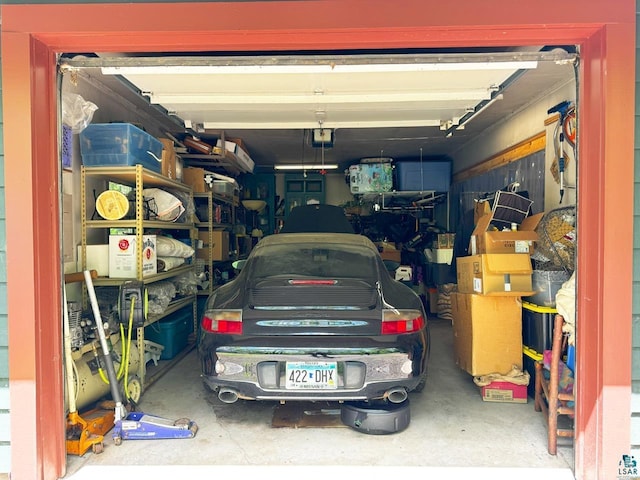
504,120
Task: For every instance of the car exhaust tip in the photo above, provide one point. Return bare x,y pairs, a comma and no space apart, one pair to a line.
227,395
396,395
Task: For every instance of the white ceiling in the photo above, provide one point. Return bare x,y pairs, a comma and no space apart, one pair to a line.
316,96
378,105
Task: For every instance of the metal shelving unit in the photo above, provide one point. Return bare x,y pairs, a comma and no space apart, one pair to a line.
138,178
210,225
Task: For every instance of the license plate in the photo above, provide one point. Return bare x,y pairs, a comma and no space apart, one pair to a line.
312,375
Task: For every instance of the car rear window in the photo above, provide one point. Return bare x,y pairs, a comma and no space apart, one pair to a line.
318,261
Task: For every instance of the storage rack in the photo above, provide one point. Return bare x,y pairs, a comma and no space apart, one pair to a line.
210,225
411,201
138,177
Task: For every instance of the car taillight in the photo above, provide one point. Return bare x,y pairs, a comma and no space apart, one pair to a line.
395,322
223,321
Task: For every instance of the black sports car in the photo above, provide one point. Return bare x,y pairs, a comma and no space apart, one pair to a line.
314,316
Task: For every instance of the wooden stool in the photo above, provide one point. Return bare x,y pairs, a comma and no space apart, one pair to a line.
547,397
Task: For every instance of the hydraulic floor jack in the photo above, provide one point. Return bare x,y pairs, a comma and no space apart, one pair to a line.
138,425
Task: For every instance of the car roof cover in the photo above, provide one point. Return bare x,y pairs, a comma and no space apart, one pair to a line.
317,218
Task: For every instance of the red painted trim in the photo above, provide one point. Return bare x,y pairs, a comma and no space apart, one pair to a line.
33,269
605,226
607,39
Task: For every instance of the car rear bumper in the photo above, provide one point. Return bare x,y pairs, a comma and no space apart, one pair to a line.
262,376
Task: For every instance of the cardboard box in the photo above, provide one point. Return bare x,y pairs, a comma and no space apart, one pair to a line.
480,209
219,245
388,251
168,158
487,333
439,255
505,392
123,260
495,274
244,160
195,176
97,259
522,240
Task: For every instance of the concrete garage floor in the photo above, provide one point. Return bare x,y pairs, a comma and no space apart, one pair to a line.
452,433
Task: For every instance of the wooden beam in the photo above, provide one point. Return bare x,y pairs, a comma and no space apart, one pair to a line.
527,147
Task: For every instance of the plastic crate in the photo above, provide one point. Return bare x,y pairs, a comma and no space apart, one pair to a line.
537,326
172,332
119,144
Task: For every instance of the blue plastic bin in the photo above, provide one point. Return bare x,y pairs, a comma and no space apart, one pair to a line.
423,176
172,332
119,144
571,357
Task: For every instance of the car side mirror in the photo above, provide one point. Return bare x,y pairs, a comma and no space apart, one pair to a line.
239,264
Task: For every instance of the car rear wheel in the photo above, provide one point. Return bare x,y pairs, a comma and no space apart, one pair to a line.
420,387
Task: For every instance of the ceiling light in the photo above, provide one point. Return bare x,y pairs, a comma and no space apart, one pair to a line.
326,166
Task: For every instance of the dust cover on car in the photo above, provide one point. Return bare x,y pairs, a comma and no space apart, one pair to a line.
317,218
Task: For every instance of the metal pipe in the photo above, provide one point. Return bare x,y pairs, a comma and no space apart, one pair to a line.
120,412
396,395
228,395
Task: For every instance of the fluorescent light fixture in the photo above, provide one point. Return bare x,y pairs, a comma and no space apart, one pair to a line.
474,113
326,166
177,98
320,68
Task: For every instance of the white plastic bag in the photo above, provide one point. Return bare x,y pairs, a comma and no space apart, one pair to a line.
77,113
168,206
170,247
566,306
167,263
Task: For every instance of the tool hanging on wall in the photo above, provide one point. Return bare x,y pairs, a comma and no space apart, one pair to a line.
133,301
564,130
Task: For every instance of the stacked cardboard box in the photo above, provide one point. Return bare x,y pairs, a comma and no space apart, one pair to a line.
487,308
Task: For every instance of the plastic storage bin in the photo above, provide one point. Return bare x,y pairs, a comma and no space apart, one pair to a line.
529,359
423,176
172,332
546,284
119,144
371,177
537,326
